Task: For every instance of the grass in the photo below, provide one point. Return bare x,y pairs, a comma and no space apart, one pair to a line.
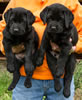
5,80
6,77
78,81
78,76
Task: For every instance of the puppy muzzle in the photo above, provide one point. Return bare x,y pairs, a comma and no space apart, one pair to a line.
17,29
55,27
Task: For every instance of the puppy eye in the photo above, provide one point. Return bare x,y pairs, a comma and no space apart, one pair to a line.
11,18
62,17
24,19
62,14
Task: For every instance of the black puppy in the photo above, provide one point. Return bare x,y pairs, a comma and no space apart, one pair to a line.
19,31
59,30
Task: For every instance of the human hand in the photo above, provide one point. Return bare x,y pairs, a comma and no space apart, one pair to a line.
73,47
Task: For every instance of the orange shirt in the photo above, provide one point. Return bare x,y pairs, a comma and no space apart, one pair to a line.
36,6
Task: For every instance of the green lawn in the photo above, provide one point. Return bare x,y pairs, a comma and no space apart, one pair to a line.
6,77
5,80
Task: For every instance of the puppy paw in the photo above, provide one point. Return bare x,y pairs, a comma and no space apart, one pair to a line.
11,87
10,68
28,84
59,72
66,92
57,87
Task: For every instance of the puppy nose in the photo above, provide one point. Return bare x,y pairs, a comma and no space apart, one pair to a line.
53,27
16,29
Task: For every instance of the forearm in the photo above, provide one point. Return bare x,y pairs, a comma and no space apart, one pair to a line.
78,23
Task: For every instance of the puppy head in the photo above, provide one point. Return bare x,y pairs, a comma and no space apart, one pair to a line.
57,17
19,20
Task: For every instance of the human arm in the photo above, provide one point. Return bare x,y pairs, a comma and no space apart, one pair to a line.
76,9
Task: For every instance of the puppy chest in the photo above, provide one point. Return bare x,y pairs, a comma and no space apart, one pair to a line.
18,48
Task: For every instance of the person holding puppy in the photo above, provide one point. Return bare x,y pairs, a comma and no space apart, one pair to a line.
42,79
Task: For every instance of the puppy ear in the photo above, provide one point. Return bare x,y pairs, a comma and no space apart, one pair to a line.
68,18
7,15
43,15
30,18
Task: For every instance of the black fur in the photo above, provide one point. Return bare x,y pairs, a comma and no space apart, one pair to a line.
59,30
19,30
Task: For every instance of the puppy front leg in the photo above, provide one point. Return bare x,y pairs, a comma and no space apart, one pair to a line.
9,56
29,67
63,59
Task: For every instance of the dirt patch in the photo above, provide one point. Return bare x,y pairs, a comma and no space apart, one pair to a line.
3,64
78,94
